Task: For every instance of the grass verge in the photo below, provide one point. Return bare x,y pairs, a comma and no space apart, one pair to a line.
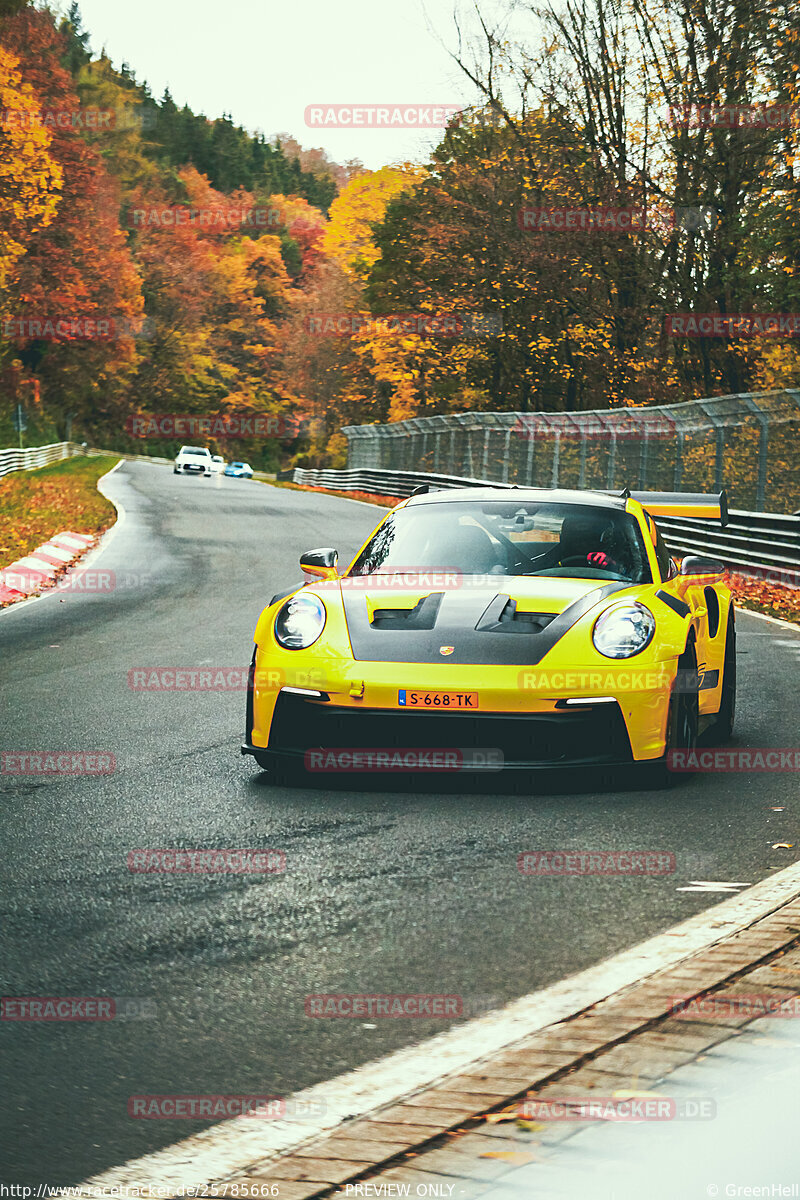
34,505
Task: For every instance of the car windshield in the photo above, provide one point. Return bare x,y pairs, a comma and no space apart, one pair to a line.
237,464
194,452
522,537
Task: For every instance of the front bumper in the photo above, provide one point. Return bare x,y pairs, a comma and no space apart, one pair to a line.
302,727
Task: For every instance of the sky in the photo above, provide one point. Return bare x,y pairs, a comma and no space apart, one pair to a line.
266,61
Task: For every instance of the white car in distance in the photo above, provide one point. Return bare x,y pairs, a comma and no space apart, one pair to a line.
193,460
217,464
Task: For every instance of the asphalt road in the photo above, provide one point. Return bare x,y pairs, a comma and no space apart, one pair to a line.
403,890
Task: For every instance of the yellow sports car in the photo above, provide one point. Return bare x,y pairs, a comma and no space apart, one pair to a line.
499,627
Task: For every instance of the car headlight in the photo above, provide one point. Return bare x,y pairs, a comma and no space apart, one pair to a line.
300,622
623,630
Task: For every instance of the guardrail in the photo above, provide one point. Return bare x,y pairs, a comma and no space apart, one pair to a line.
751,541
36,456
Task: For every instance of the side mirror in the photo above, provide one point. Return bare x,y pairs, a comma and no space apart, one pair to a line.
321,563
698,564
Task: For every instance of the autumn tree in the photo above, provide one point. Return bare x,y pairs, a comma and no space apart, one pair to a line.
358,209
645,86
78,266
30,178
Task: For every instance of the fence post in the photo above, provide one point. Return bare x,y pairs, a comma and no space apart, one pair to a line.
531,436
676,482
612,459
506,456
556,458
643,460
469,469
763,446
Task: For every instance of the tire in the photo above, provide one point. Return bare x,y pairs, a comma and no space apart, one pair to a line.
175,471
721,728
683,719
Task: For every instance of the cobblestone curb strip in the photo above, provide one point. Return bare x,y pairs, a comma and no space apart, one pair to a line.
636,1032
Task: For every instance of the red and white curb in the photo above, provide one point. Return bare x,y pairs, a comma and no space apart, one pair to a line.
39,570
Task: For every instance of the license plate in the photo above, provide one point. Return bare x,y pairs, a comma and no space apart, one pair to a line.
450,700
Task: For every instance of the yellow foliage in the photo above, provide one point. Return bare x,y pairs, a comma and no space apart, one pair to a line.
361,204
29,177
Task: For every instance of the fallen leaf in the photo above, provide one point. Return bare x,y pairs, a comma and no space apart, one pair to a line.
783,845
512,1156
495,1118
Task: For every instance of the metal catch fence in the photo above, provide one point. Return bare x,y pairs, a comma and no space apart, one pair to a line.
747,443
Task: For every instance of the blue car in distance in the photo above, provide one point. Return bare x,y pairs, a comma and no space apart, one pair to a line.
241,470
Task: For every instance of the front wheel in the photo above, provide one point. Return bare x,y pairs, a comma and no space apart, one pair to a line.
683,718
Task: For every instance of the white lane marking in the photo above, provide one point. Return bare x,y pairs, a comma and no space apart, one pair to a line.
772,620
710,885
231,1146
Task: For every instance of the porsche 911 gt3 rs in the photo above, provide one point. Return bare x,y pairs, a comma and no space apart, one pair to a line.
548,627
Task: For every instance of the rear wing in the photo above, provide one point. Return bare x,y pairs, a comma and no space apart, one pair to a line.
711,506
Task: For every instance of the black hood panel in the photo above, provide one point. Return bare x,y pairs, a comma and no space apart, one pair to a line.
464,620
